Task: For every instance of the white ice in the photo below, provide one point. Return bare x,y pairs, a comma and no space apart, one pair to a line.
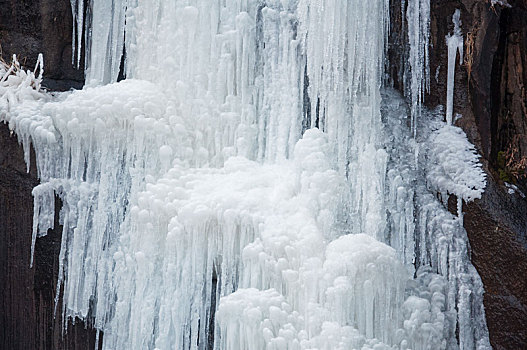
455,44
250,184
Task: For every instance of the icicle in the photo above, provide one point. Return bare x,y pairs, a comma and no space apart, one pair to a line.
460,209
77,11
454,42
105,41
418,19
39,66
43,213
197,203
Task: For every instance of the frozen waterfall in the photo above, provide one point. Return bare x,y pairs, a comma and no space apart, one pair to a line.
252,183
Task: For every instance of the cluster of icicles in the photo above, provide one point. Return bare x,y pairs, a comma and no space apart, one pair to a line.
249,185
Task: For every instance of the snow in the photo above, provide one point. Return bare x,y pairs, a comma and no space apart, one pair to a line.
251,183
454,164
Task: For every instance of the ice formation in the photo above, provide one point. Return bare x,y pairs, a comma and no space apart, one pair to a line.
454,164
418,20
250,184
504,3
454,42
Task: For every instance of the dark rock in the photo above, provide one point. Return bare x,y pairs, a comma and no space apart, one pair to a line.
61,84
496,229
490,95
30,27
27,295
509,97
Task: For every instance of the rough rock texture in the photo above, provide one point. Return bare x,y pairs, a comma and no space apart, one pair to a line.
490,86
490,95
27,294
30,27
501,259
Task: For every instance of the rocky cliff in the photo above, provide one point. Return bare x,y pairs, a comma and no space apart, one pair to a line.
491,99
27,317
489,95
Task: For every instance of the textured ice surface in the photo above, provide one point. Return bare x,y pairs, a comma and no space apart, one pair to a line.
418,21
454,164
248,186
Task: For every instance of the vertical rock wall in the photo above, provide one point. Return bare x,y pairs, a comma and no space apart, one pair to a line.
496,73
27,28
27,294
489,94
491,98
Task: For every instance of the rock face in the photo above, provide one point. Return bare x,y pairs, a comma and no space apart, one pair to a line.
490,95
27,294
30,27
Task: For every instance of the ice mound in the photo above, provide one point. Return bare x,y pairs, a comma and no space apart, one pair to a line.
109,108
264,227
245,167
454,166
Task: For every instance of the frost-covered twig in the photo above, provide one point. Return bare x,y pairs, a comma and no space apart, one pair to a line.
503,3
17,84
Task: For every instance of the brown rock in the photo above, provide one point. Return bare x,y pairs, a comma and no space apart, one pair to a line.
27,294
27,320
490,95
30,27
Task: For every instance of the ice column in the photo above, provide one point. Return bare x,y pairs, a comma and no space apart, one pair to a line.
418,18
454,42
344,48
77,9
104,38
101,23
